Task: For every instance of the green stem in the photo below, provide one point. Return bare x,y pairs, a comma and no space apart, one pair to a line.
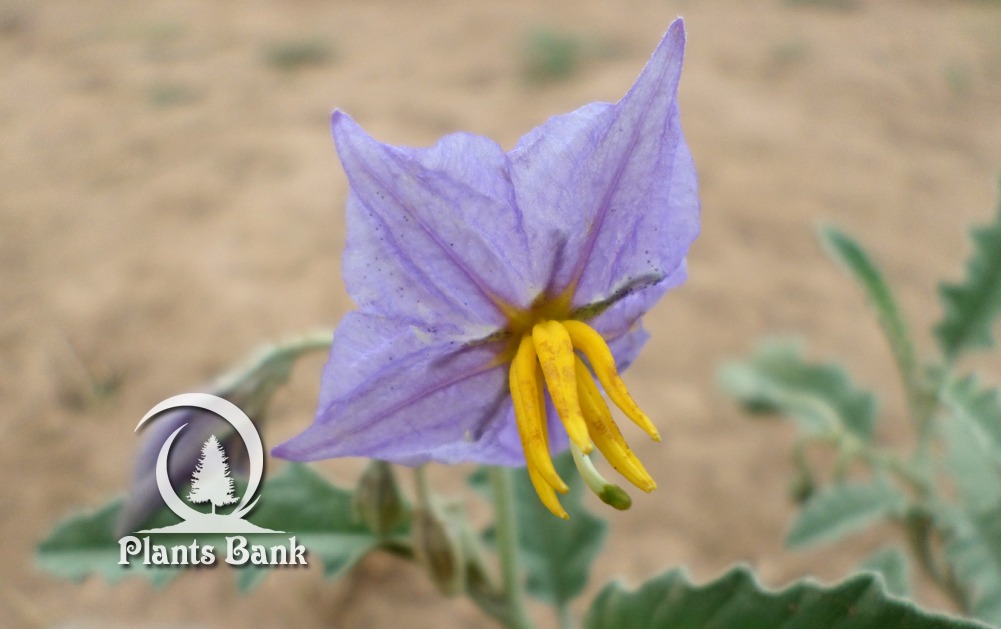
507,545
565,615
423,487
903,470
923,410
275,360
849,447
920,531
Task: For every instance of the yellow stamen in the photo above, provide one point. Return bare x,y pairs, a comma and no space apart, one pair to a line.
545,355
584,338
555,351
529,411
605,432
546,494
543,488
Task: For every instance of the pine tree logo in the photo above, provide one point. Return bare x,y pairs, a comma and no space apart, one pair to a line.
211,481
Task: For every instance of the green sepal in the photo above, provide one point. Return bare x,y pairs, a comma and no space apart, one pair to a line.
300,502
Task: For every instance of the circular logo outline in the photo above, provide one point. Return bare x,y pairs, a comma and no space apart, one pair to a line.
244,427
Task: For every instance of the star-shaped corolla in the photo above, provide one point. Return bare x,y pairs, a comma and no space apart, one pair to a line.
485,279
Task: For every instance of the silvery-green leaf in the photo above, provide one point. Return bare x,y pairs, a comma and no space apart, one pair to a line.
972,460
891,563
843,508
737,600
978,404
973,550
821,397
296,500
845,250
86,543
972,306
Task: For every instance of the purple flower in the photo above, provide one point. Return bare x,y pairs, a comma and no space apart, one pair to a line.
483,278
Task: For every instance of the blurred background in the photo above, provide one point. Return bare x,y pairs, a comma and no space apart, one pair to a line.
170,199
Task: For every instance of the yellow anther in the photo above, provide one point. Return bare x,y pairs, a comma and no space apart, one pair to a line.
543,489
606,434
587,340
529,413
555,352
546,494
545,357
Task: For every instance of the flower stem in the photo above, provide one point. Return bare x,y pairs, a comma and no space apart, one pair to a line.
565,615
423,487
507,544
276,359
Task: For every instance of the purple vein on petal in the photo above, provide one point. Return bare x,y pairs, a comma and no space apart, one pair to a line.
394,154
510,203
486,367
604,205
599,219
444,249
402,254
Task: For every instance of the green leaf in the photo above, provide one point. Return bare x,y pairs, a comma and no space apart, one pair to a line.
296,500
300,502
971,307
846,251
891,564
249,577
86,543
972,460
820,397
840,509
980,405
557,554
973,549
671,601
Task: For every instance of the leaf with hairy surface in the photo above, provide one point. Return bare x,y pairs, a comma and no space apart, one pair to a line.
820,397
972,306
736,599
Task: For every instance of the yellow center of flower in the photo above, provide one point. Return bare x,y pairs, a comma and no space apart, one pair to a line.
546,355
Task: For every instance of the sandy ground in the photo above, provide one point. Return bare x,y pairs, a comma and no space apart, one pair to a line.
170,199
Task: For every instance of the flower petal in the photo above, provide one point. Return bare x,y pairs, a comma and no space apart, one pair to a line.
626,347
611,190
402,393
432,231
631,304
